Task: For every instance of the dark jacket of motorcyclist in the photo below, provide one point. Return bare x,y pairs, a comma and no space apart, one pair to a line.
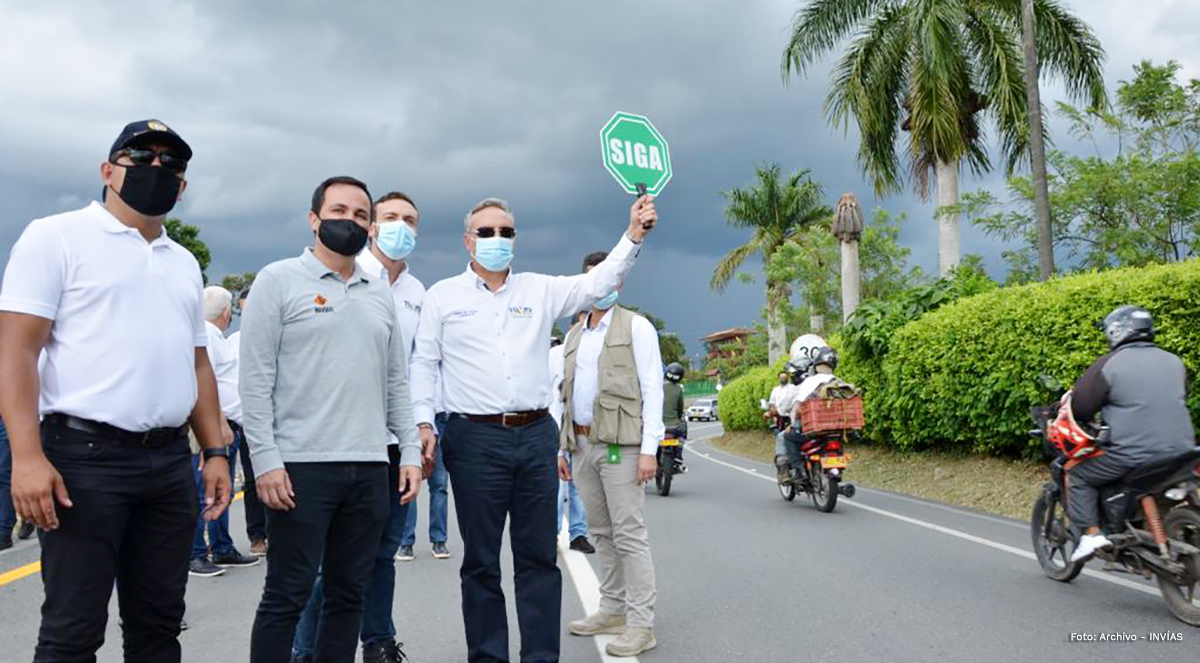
1141,391
672,396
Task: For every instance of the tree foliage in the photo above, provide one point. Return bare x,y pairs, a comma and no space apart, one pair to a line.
669,344
239,286
1138,206
188,237
930,68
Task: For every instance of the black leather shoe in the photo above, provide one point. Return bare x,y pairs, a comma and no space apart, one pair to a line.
5,541
581,544
26,530
384,652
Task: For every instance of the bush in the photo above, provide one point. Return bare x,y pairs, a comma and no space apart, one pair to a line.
964,375
739,400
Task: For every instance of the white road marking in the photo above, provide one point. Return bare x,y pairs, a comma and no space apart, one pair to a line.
944,530
588,587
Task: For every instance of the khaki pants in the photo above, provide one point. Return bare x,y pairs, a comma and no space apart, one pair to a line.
616,515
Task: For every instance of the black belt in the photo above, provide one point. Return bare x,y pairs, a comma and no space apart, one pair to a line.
235,426
153,438
507,419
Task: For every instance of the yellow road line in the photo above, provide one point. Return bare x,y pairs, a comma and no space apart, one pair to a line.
34,567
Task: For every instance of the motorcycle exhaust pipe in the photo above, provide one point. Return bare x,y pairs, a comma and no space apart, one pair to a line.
847,490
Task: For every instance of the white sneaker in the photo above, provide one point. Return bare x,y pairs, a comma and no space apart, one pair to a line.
1088,545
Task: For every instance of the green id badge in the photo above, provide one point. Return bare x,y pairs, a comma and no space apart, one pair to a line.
614,454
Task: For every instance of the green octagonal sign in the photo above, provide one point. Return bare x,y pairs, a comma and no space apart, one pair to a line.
635,153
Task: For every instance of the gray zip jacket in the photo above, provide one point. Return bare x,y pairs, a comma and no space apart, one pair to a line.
1141,390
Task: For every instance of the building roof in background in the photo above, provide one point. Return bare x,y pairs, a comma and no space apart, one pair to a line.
728,334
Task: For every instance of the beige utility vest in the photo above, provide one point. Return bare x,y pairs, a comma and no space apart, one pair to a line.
617,410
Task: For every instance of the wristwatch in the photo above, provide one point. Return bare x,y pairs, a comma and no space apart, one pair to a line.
222,452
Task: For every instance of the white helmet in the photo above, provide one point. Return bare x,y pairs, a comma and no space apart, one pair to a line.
806,346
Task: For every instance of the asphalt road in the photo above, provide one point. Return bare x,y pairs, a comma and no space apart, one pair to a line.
743,575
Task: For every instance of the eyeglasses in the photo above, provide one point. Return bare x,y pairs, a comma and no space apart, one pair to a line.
506,232
146,158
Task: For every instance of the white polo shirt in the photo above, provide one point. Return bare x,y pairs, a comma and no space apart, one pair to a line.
223,355
128,316
646,357
490,348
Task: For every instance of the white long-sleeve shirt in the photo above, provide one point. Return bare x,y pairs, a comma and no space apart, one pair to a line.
646,357
490,347
223,355
556,380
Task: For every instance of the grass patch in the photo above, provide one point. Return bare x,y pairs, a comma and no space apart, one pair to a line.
992,485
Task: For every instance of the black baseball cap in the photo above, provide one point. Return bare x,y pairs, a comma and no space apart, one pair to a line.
144,131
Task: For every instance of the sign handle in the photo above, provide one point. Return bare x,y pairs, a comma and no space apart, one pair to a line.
641,191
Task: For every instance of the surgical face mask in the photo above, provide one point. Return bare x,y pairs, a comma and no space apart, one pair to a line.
606,302
493,253
150,190
396,239
342,236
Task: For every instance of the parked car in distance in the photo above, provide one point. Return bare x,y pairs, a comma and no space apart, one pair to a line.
703,409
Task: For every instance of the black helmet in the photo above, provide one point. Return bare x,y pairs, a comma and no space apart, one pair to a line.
798,369
674,372
1127,324
825,356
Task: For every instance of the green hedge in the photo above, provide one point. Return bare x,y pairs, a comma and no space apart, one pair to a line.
964,375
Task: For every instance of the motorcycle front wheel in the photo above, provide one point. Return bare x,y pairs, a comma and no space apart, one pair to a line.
1183,524
824,489
1052,542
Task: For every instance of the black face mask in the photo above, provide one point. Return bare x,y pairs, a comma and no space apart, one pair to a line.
150,190
342,236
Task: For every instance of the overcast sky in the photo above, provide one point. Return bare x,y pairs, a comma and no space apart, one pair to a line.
455,101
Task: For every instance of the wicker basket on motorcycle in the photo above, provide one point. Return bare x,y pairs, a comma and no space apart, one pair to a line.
823,414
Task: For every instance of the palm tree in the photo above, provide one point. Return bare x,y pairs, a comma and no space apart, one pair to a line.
848,227
776,208
930,68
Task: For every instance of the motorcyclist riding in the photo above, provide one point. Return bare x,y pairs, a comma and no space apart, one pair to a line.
773,415
1141,391
787,454
673,419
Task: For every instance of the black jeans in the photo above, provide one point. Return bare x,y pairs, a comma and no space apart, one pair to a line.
256,516
498,473
133,518
1084,482
336,524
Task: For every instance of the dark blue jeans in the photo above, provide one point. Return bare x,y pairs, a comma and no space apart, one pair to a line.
218,530
501,474
438,499
335,526
8,515
377,623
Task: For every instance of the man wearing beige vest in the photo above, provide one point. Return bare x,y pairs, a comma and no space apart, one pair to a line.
612,424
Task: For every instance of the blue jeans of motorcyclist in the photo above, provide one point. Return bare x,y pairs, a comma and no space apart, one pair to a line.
8,514
377,624
567,493
219,540
438,499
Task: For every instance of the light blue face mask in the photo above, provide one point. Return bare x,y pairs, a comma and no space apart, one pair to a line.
493,253
396,239
607,302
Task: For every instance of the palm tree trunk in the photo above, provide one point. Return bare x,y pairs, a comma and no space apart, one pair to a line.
1037,145
850,279
776,333
947,198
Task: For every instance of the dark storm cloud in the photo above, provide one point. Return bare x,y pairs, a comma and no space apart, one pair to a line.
450,102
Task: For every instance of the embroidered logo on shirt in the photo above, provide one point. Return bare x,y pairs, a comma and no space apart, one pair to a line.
463,313
321,307
412,307
520,311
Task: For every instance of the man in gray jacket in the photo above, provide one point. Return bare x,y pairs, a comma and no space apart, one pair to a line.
1141,391
323,381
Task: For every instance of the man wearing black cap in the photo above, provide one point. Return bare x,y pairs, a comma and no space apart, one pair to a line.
117,307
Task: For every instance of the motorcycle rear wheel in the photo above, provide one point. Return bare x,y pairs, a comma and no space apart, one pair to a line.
1054,553
786,491
662,480
1183,524
824,489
